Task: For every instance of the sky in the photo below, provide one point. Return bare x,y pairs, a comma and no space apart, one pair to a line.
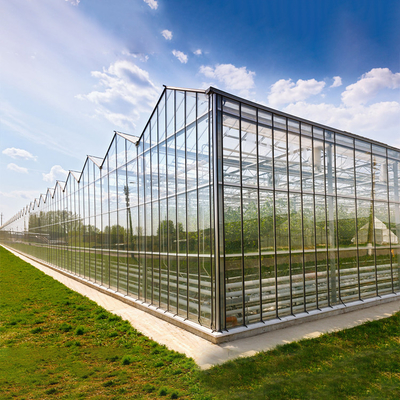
74,71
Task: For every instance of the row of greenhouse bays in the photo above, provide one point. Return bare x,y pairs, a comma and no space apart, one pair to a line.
275,152
135,254
128,226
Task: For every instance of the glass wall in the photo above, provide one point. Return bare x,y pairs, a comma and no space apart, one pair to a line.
310,216
138,221
306,217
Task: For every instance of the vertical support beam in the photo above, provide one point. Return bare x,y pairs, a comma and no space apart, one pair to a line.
218,214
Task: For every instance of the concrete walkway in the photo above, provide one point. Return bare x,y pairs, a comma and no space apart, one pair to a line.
207,354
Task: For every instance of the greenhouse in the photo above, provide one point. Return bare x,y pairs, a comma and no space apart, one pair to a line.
225,215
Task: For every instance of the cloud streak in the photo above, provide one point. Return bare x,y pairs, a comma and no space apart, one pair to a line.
16,168
18,153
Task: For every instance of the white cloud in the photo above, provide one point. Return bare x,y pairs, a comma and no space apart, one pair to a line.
167,34
182,57
153,4
337,81
18,153
369,85
56,173
74,2
198,52
286,91
379,120
233,78
128,92
16,168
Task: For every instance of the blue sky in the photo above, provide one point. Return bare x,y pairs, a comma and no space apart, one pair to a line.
72,72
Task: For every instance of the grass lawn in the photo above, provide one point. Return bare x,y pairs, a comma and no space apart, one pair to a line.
55,343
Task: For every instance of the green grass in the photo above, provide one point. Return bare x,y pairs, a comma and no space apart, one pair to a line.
55,343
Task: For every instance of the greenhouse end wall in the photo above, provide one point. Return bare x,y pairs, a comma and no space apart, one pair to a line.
306,217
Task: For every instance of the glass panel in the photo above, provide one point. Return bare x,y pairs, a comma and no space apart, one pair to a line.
147,176
297,282
146,138
122,247
171,166
154,172
142,253
394,180
280,159
366,243
161,119
162,169
190,107
282,254
133,257
156,255
193,260
202,104
180,110
251,256
205,266
267,255
113,191
321,252
121,154
170,112
231,149
172,256
182,257
294,162
332,250
319,167
203,151
307,164
191,157
348,260
380,177
154,129
149,255
383,238
265,157
249,153
345,171
363,174
233,257
180,162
